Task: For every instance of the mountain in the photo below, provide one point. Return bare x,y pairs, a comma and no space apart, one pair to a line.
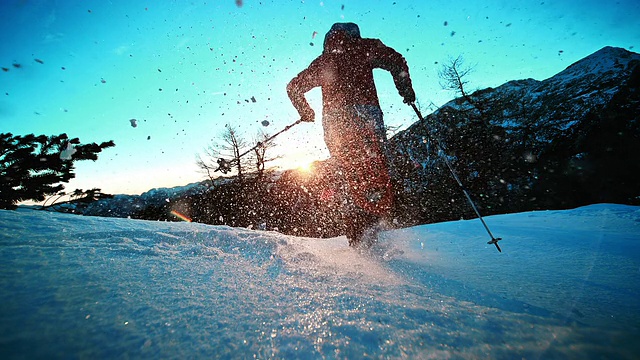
567,96
565,141
562,100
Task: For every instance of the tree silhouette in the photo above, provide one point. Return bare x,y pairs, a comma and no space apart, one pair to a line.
453,76
263,144
33,167
78,199
223,153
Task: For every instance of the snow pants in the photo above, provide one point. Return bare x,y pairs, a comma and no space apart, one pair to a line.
356,139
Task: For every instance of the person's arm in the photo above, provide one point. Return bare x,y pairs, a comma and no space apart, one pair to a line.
306,80
388,59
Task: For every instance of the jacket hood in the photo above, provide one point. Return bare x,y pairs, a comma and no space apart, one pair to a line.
338,34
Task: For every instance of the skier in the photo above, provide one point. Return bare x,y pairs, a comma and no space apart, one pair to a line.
354,130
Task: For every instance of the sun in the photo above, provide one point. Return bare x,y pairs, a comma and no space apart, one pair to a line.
302,164
305,167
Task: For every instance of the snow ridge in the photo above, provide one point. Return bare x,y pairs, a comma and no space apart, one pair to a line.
566,286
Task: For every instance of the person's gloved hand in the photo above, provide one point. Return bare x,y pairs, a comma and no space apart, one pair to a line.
307,115
409,96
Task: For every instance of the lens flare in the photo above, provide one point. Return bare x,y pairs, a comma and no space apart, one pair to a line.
181,216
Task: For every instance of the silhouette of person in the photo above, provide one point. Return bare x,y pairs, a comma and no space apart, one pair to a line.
352,120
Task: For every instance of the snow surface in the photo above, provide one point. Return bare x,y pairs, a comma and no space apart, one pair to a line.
567,285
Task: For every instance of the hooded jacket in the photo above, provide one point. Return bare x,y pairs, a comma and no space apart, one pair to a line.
345,71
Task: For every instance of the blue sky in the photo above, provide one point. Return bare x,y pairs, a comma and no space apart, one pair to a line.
184,69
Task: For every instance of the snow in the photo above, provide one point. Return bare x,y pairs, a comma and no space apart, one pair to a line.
566,285
602,61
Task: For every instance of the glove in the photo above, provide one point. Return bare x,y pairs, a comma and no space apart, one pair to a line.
409,96
307,115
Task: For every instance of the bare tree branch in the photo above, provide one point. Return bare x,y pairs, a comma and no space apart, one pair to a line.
260,151
228,147
453,76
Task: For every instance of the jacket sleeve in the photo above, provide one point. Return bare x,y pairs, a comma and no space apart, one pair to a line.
306,80
388,59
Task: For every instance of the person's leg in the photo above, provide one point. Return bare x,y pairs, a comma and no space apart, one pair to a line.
362,228
353,137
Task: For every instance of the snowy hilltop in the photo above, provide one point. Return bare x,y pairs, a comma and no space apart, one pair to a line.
566,286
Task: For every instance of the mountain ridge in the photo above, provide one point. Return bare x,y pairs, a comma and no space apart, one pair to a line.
603,68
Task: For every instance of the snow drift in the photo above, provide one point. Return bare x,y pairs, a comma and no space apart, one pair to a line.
566,286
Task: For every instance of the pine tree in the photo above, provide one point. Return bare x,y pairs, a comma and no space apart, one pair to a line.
33,167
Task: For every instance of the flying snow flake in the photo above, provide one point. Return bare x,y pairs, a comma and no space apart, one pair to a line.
530,157
134,123
67,153
239,3
253,99
265,123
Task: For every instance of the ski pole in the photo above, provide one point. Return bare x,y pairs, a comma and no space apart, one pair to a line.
286,128
494,240
224,166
